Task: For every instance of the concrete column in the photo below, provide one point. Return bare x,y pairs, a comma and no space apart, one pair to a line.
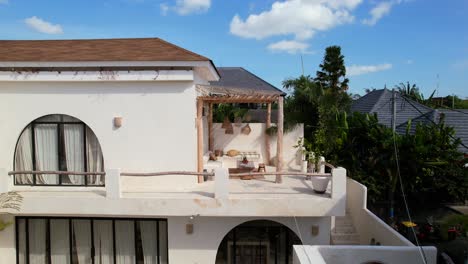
221,183
338,189
113,184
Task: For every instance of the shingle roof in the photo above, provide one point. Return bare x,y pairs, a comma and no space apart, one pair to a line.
380,102
240,78
457,118
137,49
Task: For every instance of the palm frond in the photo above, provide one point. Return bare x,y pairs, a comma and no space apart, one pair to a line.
10,200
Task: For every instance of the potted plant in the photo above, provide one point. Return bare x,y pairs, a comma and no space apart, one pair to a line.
311,162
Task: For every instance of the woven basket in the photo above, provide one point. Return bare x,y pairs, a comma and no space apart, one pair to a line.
246,129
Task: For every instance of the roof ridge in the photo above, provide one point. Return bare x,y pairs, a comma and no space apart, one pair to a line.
382,91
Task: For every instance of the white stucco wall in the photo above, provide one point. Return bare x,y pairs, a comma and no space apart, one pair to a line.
202,245
368,224
158,131
255,141
364,254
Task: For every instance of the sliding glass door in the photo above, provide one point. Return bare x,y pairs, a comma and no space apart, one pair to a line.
91,240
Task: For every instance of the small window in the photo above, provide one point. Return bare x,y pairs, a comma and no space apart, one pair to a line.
58,143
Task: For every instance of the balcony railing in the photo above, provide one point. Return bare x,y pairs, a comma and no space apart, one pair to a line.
221,177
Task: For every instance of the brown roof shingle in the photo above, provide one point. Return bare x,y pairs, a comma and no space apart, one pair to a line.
137,49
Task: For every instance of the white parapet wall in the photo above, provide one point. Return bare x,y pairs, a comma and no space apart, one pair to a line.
367,224
364,254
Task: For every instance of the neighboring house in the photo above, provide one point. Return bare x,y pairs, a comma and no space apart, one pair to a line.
106,141
379,102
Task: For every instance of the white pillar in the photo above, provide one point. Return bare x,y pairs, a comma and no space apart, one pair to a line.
322,165
113,184
221,183
338,189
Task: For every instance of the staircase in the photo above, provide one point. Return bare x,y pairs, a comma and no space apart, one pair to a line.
344,232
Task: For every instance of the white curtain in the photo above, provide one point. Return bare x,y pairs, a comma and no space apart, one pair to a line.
104,253
37,241
125,242
46,139
94,156
149,241
74,151
81,241
23,157
59,241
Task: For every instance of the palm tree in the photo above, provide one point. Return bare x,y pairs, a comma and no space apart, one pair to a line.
412,92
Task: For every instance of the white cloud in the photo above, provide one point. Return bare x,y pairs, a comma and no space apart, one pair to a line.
186,7
355,70
43,26
164,8
301,18
380,10
289,46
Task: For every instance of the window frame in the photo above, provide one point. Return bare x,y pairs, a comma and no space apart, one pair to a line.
91,221
60,156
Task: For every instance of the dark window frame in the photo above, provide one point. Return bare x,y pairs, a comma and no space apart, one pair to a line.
91,220
60,149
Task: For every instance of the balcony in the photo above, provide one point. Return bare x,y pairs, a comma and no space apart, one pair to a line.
220,196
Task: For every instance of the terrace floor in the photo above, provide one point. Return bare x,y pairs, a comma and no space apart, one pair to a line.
292,186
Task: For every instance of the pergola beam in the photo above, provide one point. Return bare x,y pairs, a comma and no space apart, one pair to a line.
267,137
279,145
200,138
210,127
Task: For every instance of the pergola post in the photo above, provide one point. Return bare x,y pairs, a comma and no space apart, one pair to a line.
210,127
200,138
267,137
279,145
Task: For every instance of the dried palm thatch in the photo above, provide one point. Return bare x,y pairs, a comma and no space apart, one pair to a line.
10,200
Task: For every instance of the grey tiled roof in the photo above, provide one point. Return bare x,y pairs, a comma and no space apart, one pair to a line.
238,77
380,102
457,118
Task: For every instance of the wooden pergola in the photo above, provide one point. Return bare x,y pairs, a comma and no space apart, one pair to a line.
209,95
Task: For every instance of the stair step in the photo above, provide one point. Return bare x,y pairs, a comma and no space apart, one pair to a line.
341,236
343,222
347,229
345,242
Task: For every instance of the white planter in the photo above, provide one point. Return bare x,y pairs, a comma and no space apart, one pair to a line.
320,183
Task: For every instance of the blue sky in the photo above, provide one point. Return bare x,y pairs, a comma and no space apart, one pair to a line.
384,42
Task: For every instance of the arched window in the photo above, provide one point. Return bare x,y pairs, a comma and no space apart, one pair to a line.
58,143
258,241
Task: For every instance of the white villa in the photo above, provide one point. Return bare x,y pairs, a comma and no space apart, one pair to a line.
112,145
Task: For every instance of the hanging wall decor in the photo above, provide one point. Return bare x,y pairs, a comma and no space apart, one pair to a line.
246,129
238,121
226,122
229,129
